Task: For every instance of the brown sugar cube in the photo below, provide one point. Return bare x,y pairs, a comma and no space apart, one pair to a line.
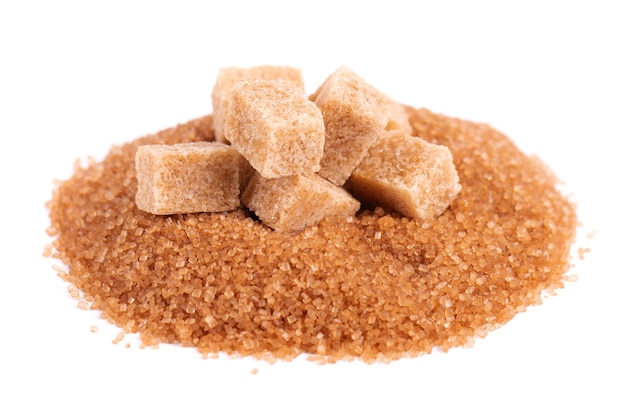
295,202
398,119
408,175
276,128
355,113
228,77
188,178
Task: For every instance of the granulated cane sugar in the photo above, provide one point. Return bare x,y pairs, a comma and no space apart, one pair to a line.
375,286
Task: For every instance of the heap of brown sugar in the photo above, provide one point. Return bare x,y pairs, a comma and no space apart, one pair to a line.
375,286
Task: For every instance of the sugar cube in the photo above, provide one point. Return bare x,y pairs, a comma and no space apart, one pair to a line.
228,77
188,177
295,202
398,119
355,113
408,175
276,128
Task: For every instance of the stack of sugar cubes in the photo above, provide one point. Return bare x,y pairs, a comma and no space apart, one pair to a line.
294,160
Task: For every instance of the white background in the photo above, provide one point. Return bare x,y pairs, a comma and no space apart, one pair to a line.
77,77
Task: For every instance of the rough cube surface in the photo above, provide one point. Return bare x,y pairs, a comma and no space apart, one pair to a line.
276,128
188,178
355,113
408,175
295,202
228,77
398,119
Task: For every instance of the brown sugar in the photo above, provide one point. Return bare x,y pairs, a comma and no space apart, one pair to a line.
228,77
118,338
295,202
408,175
355,113
188,177
398,119
276,128
376,287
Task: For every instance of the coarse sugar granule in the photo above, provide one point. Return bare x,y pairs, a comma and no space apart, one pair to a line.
376,286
